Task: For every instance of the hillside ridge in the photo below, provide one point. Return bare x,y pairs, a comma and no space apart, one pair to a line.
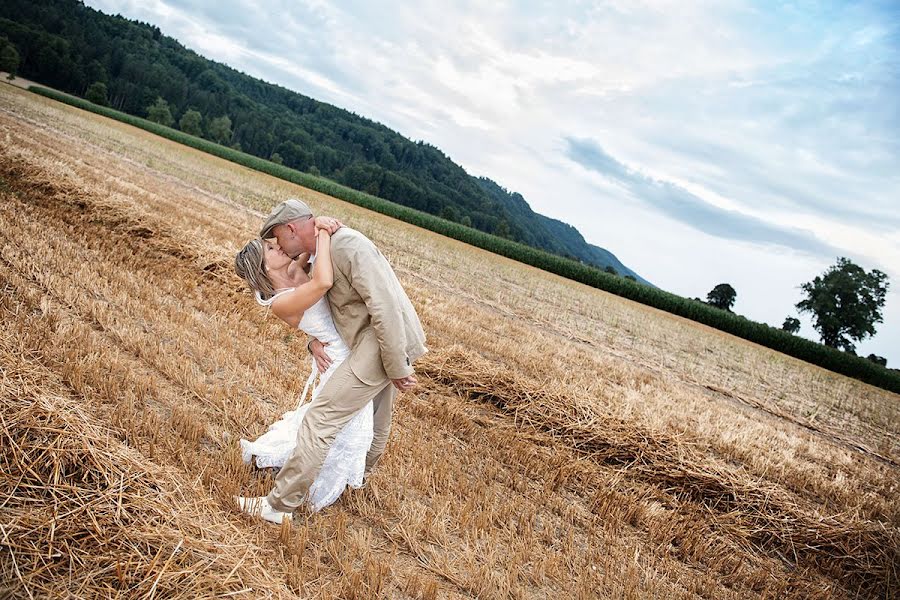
70,47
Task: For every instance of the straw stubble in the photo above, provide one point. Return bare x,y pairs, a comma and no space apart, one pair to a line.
562,443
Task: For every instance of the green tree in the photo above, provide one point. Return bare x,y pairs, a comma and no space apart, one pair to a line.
9,58
190,122
610,269
466,220
95,71
631,278
878,360
791,324
159,112
276,158
722,296
449,212
845,302
96,93
220,129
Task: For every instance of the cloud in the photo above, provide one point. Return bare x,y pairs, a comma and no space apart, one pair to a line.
684,206
801,142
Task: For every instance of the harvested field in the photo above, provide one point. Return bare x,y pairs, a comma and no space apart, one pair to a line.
563,442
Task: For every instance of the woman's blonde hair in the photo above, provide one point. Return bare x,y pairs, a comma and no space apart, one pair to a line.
250,265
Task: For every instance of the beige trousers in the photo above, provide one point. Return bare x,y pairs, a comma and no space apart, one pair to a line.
336,403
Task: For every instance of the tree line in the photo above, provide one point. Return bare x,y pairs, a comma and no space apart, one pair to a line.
845,303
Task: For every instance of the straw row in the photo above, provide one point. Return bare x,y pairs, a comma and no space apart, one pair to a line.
83,515
865,553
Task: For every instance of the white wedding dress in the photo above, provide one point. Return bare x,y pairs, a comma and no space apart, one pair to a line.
346,460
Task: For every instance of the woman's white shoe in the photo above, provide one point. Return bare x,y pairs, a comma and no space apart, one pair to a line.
260,507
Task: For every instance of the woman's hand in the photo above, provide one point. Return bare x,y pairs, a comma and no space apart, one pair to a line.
317,349
329,224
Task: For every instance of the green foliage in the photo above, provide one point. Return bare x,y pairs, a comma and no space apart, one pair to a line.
276,158
159,112
846,303
450,213
626,286
190,122
791,325
9,58
97,93
878,360
220,129
611,270
722,296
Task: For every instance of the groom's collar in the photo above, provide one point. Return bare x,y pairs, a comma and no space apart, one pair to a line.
312,257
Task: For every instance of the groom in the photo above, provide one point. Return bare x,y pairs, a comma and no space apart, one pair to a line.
379,324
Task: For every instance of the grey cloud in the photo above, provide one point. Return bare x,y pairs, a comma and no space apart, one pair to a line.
590,155
681,205
816,134
748,177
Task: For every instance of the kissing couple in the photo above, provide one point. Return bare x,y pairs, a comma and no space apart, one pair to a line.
332,283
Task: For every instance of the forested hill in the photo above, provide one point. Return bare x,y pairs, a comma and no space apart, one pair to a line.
71,47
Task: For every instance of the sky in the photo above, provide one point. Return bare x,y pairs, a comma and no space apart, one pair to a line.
706,142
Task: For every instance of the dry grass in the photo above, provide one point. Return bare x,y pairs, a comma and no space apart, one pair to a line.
563,443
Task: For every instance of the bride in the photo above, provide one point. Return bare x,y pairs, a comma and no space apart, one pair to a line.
298,299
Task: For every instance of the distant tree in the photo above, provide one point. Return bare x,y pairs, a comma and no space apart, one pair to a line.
276,158
159,112
791,325
722,296
878,360
96,72
9,58
466,220
631,278
449,212
314,170
220,129
502,229
190,122
96,93
845,302
610,269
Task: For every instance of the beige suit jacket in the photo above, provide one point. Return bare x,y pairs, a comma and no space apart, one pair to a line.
371,311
